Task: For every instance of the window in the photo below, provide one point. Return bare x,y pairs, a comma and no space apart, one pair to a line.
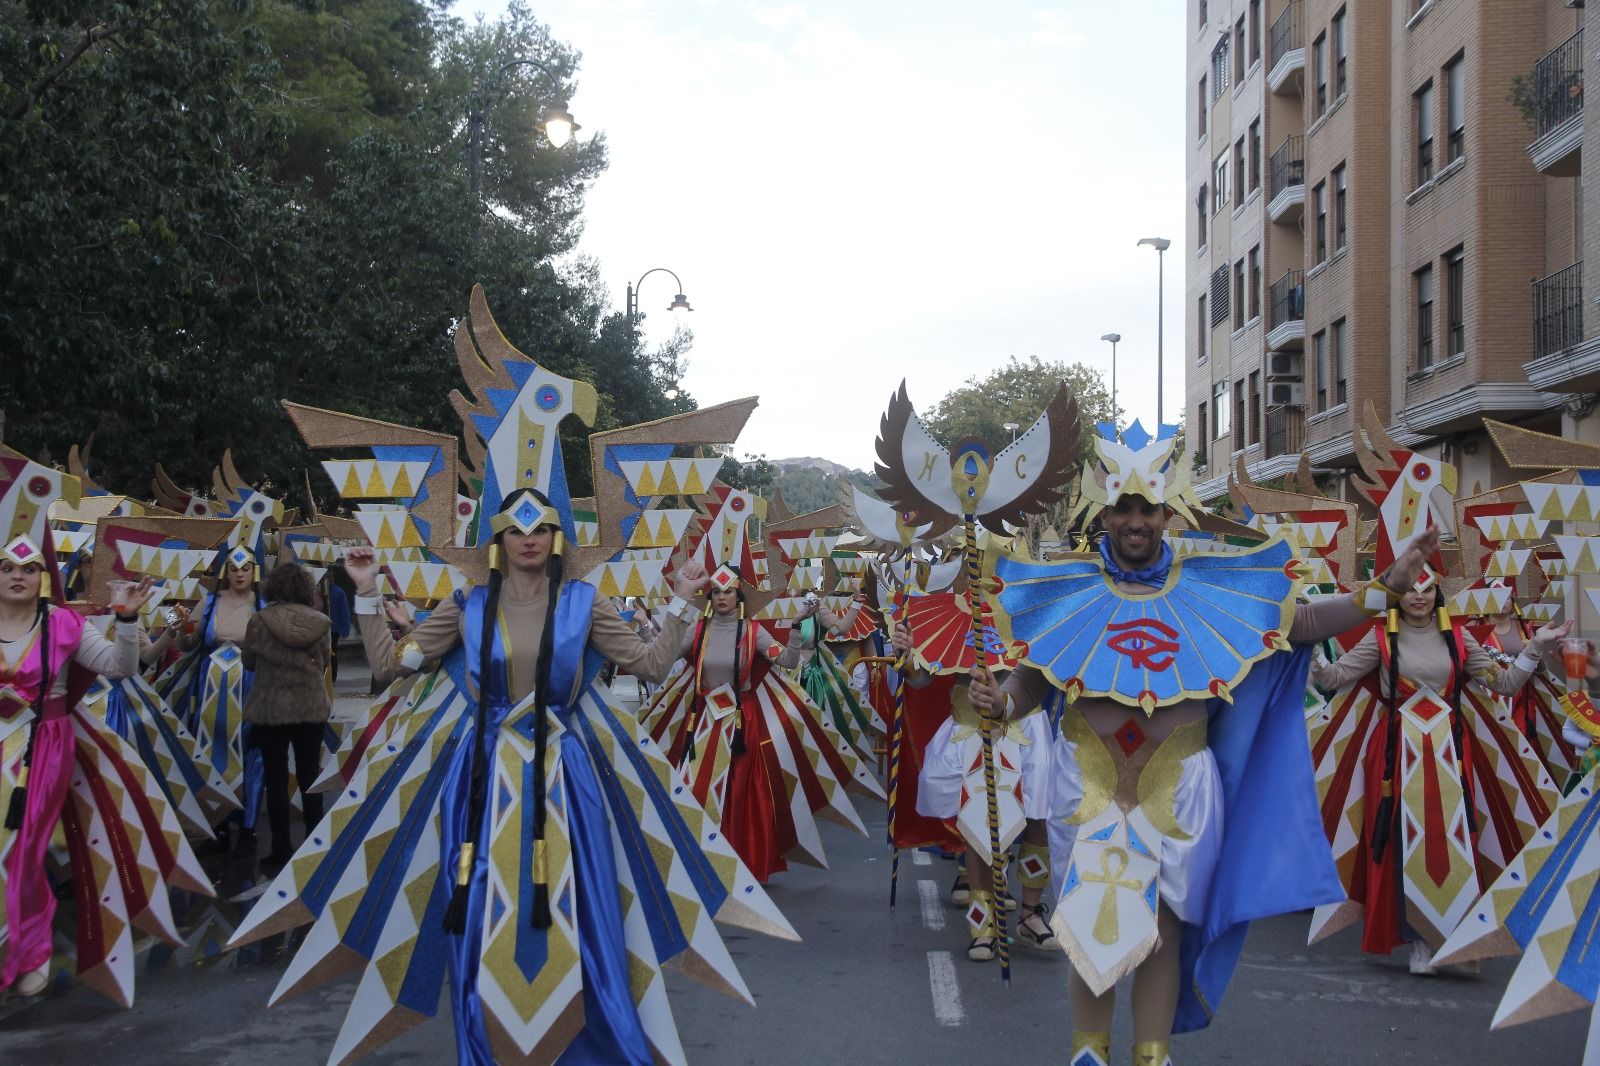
1319,210
1238,295
1455,111
1255,31
1241,418
1219,295
1238,51
1219,407
1455,312
1202,328
1255,407
1338,208
1319,365
1203,13
1201,214
1340,56
1205,109
1219,67
1202,451
1336,342
1219,183
1319,71
1424,118
1424,286
1255,155
1255,282
1238,165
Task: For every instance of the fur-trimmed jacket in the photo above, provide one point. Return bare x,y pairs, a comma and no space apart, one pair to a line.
287,645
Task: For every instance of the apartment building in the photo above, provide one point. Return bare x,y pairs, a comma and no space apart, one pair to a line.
1387,205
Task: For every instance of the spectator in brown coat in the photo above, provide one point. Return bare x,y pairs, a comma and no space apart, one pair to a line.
288,644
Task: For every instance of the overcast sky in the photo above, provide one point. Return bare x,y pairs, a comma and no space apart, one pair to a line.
855,192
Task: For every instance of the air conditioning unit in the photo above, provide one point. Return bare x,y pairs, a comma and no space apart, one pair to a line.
1285,394
1285,365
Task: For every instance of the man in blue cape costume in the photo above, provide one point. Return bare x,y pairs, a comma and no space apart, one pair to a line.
1183,804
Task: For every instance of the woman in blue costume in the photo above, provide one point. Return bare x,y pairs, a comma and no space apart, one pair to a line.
207,687
541,647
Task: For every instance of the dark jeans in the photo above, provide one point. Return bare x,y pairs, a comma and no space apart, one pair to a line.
275,742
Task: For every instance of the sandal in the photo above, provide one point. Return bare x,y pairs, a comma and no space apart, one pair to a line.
981,949
1034,932
961,892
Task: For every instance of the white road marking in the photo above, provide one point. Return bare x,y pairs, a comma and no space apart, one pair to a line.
921,858
946,992
932,905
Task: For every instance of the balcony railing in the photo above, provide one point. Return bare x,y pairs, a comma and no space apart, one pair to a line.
1556,93
1287,34
1558,311
1288,167
1288,295
1286,431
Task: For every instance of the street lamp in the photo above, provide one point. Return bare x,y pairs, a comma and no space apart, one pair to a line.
1115,419
680,303
1012,427
559,125
1160,244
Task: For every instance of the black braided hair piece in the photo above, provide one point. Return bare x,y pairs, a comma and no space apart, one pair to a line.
1457,724
541,736
19,795
455,915
1383,825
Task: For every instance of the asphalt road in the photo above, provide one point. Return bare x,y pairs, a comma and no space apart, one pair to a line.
867,985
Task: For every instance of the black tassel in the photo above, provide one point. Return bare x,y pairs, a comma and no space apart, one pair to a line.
541,905
1384,827
455,915
738,741
19,803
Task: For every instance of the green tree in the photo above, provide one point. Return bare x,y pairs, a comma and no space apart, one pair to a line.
1018,392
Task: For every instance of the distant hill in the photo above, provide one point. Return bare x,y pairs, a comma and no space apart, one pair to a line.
809,483
809,462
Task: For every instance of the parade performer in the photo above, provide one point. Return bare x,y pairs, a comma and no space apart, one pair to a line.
1428,786
914,714
751,745
1183,715
62,769
506,824
977,763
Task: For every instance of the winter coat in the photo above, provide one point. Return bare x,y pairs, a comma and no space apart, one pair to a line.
287,645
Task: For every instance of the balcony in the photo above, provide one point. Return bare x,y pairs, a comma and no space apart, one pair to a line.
1286,431
1553,103
1558,311
1286,325
1286,181
1286,51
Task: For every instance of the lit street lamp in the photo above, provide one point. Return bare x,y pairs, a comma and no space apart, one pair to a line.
1160,244
680,303
1114,338
1012,427
558,124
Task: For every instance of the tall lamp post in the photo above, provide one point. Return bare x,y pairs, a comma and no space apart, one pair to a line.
558,124
680,303
1011,427
1160,244
1115,419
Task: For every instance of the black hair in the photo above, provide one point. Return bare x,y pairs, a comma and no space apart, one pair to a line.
455,914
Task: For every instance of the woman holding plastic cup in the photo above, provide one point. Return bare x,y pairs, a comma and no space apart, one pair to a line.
1419,771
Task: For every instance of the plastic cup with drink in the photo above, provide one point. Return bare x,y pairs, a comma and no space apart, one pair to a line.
121,593
1575,662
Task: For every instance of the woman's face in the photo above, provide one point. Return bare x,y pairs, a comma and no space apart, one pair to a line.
724,601
19,584
239,577
1417,606
528,552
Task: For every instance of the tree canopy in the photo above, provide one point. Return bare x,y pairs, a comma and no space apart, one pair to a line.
1018,392
206,208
